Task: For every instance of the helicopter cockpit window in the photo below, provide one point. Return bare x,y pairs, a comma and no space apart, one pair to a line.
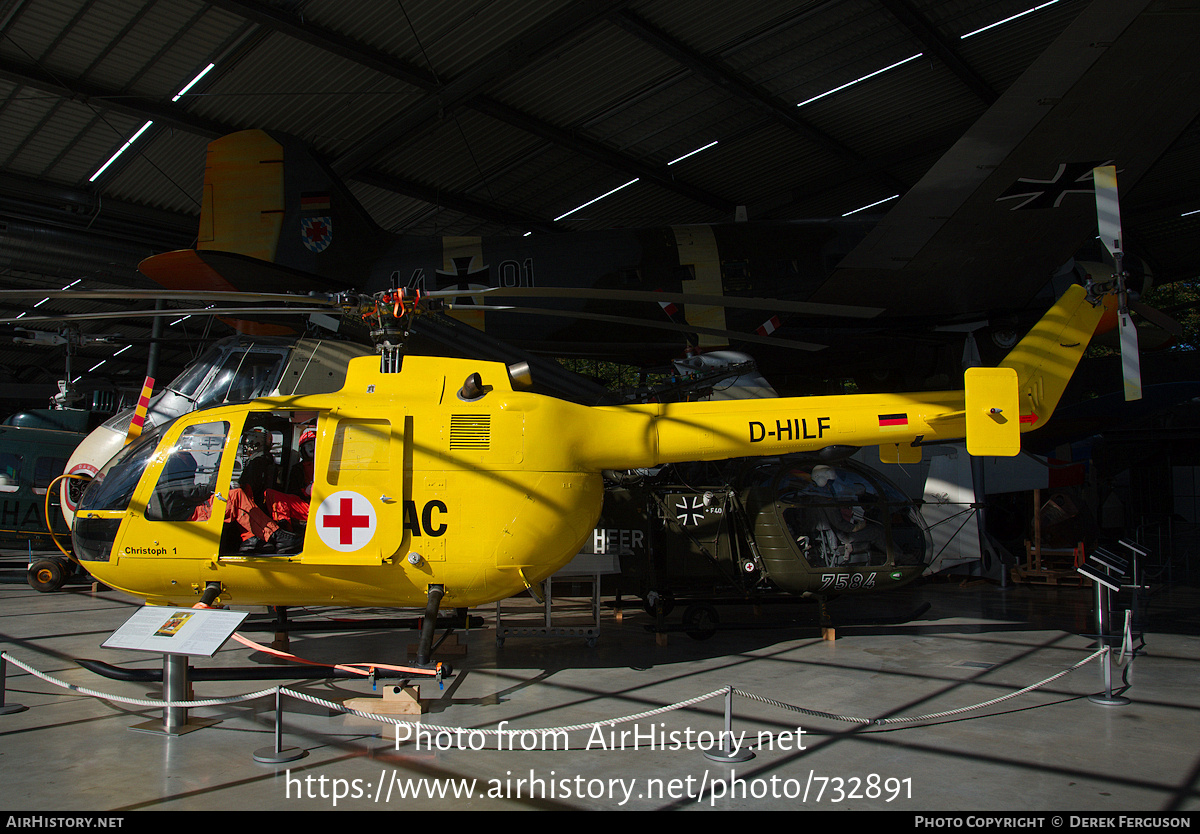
10,472
242,377
45,470
113,485
836,516
186,483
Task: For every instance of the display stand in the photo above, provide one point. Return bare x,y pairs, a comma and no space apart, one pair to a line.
1105,570
177,634
585,565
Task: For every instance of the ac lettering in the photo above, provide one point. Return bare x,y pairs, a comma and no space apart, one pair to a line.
425,524
788,430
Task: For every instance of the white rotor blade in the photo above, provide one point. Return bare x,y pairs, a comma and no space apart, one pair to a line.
1131,365
1108,221
1108,208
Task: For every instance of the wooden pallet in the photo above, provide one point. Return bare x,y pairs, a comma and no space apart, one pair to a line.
1060,578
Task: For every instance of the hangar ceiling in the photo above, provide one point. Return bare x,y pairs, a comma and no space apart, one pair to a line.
477,117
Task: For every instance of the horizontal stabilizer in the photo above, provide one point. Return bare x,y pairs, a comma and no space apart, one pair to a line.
899,453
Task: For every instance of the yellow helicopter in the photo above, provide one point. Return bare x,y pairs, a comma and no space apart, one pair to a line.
438,481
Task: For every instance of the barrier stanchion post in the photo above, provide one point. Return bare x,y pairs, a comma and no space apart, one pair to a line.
6,709
727,753
279,754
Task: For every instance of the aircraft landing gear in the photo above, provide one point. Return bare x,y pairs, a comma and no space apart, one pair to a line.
429,627
700,621
49,574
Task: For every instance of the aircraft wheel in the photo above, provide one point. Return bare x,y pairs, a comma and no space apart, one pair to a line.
655,600
700,621
47,575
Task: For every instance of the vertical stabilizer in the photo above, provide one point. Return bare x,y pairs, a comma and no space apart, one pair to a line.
242,206
266,196
1048,355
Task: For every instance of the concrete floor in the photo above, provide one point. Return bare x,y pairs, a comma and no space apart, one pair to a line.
1051,749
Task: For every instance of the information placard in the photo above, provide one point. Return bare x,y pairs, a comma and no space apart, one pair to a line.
194,632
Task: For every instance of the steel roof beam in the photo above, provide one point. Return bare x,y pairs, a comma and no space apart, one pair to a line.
936,45
719,74
465,91
276,19
179,118
498,64
90,95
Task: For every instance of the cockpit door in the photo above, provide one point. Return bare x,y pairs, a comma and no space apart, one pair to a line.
359,491
184,511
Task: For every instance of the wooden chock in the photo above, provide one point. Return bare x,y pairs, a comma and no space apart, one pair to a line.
395,700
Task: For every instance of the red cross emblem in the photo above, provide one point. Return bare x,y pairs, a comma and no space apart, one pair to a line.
346,521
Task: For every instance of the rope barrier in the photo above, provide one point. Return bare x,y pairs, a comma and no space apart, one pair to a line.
607,722
140,702
933,715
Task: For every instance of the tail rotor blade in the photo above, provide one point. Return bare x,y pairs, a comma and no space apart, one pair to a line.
1108,221
1108,209
1131,366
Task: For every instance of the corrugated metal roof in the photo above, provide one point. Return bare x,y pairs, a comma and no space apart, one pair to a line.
525,109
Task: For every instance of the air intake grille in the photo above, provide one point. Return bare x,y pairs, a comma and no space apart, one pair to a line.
471,431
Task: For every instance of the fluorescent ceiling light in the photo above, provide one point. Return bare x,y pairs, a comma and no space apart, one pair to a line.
192,83
1189,213
122,350
146,126
857,80
120,151
692,153
97,365
1007,19
598,199
872,205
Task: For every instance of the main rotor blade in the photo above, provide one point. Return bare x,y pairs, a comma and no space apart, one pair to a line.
1157,317
657,325
772,304
178,311
167,295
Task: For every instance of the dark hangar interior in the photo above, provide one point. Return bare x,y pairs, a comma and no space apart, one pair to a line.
956,134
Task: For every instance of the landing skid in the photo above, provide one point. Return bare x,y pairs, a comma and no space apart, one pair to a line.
701,620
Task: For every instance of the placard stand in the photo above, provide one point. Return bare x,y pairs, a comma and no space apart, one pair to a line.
1105,570
177,634
176,687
